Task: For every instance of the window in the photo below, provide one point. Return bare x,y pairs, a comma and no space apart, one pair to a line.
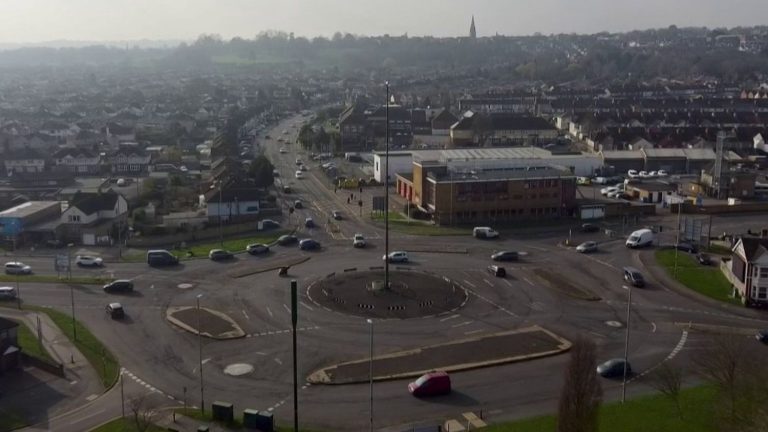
763,272
252,209
761,293
74,218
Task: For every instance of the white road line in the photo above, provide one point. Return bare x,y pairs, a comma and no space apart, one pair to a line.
488,282
260,353
462,324
306,305
653,327
91,397
449,318
246,314
206,360
83,417
269,311
528,280
287,309
472,332
278,361
507,282
470,283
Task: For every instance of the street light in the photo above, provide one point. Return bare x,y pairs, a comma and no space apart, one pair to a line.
386,196
370,370
200,355
71,289
626,345
221,236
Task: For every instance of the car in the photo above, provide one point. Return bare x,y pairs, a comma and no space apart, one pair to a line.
485,233
497,271
598,180
615,193
269,224
505,256
431,384
634,277
7,293
614,368
587,247
220,255
17,268
299,162
762,336
309,222
121,182
88,261
704,259
297,204
589,228
309,244
607,190
336,215
257,248
120,285
287,239
358,241
161,257
643,174
115,311
299,174
662,173
687,247
586,180
632,174
283,150
303,168
396,256
55,244
275,173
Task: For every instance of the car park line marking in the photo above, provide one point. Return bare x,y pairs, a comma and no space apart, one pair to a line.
653,327
462,324
470,283
449,318
260,353
488,282
529,281
507,282
91,397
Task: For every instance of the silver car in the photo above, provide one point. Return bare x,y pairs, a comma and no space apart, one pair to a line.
17,268
587,247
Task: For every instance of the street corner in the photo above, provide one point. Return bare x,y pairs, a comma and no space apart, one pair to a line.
511,346
206,322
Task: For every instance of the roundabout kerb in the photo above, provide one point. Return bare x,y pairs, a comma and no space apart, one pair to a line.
411,293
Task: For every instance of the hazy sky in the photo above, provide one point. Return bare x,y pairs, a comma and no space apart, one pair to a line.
45,20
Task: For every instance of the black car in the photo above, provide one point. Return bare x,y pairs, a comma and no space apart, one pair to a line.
287,239
686,247
704,259
257,248
762,336
497,271
297,204
269,224
613,368
120,285
589,228
336,215
220,255
505,256
309,244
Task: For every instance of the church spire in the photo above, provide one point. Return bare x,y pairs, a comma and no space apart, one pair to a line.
472,31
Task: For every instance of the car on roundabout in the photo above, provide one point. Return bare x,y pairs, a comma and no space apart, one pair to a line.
434,383
287,240
497,271
614,368
587,247
358,241
505,256
220,255
336,215
17,268
309,244
119,286
88,261
589,228
257,248
396,257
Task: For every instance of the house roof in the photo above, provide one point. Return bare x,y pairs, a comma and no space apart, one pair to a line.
754,247
24,153
92,202
6,324
445,117
73,152
242,191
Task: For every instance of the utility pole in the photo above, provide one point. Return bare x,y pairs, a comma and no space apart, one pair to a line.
386,194
679,227
626,346
370,371
221,235
200,356
294,320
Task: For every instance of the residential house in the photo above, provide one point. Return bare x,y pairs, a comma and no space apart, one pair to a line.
78,160
749,270
10,352
234,202
56,129
441,124
353,129
94,218
130,161
117,133
24,160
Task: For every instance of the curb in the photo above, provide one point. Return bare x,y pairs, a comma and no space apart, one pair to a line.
235,334
717,329
321,376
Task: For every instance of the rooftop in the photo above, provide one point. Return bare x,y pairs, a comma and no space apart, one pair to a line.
28,208
461,176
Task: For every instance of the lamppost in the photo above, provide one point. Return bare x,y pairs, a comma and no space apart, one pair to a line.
71,289
221,235
200,355
370,370
386,195
626,346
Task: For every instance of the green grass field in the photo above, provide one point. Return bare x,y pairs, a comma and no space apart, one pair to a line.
29,344
79,280
237,424
400,223
655,413
123,425
706,280
201,250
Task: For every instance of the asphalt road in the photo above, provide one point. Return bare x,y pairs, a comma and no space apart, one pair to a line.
167,358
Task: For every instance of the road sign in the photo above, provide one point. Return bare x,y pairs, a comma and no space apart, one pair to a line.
61,263
379,203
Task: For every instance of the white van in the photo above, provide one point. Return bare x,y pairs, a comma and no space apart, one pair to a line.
485,232
640,238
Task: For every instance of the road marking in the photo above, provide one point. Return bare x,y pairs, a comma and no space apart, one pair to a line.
269,311
472,332
538,248
673,354
507,282
206,360
449,318
278,361
81,418
73,382
246,314
653,327
287,309
470,283
462,324
528,280
260,353
91,397
306,305
488,282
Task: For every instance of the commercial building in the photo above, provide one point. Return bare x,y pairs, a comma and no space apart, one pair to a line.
15,221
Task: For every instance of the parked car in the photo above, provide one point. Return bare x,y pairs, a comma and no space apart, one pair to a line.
608,190
309,244
587,247
589,228
336,215
396,256
613,368
287,239
220,255
484,233
257,248
640,238
762,336
632,174
358,241
17,268
120,285
88,261
687,247
283,150
7,293
505,256
298,204
634,277
497,271
161,257
115,311
431,384
309,222
703,259
269,224
303,168
662,173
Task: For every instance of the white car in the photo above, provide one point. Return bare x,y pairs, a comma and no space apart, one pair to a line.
299,174
615,193
283,150
358,241
396,256
600,180
662,173
632,174
608,190
88,261
17,267
643,174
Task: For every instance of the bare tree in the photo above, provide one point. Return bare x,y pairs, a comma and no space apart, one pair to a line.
581,394
669,381
142,413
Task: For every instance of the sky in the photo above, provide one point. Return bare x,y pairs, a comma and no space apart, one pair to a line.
33,21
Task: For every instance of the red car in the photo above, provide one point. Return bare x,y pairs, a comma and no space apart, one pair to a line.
431,384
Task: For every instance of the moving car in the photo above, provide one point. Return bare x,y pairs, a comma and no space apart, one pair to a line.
762,336
257,248
634,277
283,150
299,162
220,255
88,261
505,256
497,271
120,285
309,244
161,257
115,311
7,293
358,241
269,224
396,256
587,247
686,247
704,259
640,238
297,204
431,384
121,182
614,368
299,174
485,233
286,239
589,228
309,222
336,215
17,268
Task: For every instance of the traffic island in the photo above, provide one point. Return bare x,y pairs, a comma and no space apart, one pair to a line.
207,322
500,348
411,294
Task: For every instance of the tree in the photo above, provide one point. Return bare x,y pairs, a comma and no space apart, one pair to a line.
668,381
581,393
261,171
141,412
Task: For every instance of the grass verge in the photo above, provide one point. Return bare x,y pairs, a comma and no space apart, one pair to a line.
30,345
201,250
79,280
398,222
124,425
237,424
655,413
706,280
